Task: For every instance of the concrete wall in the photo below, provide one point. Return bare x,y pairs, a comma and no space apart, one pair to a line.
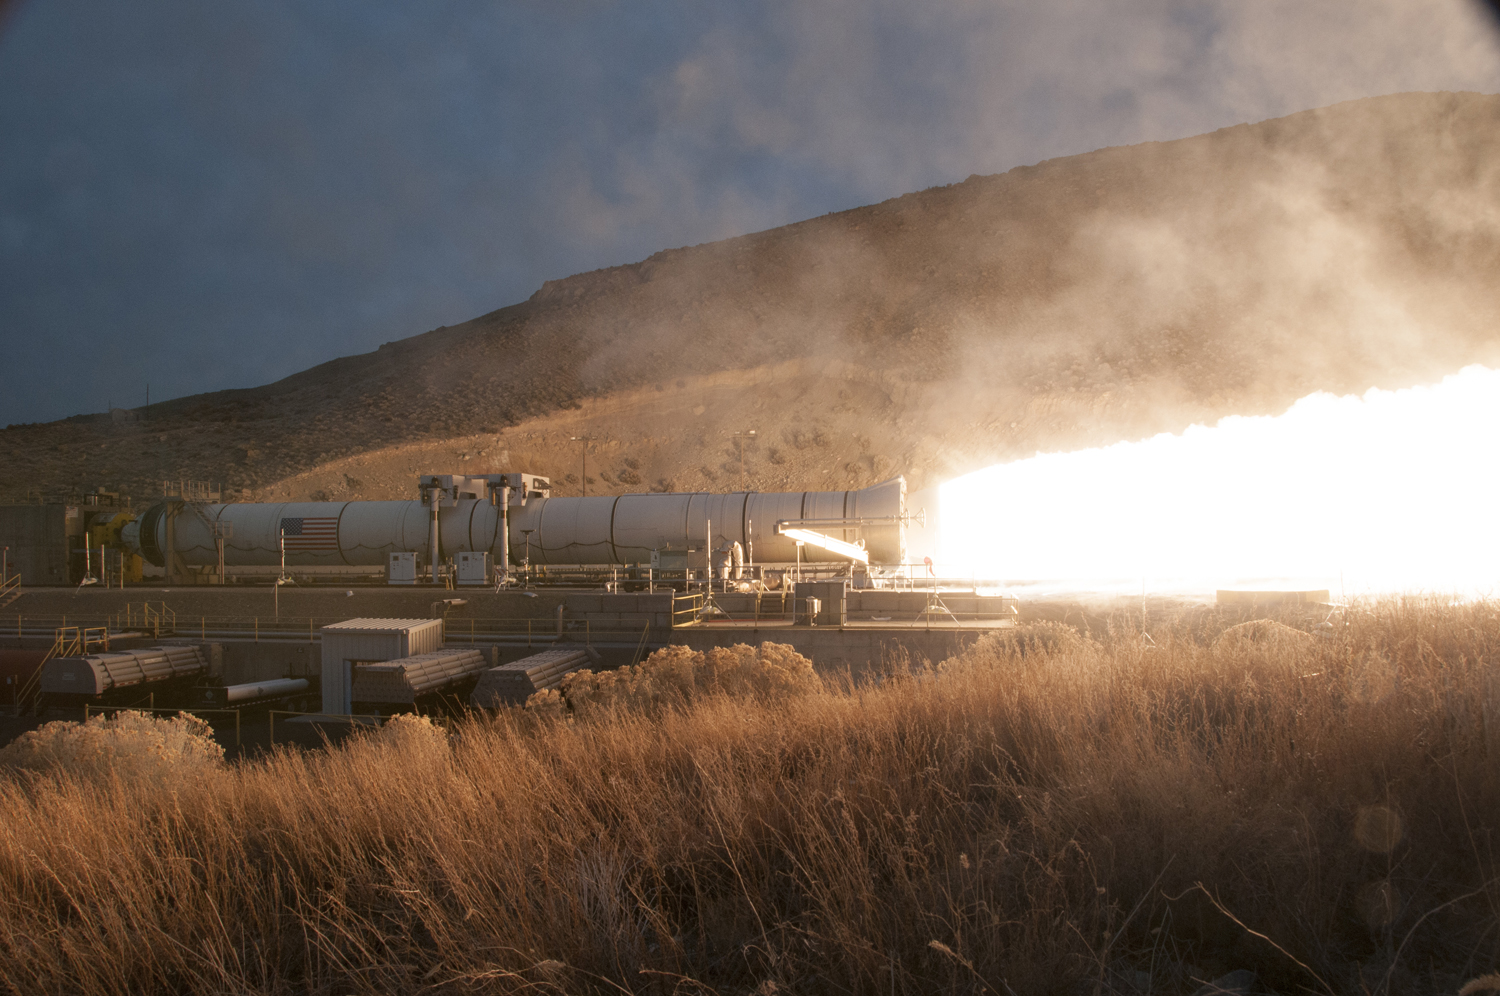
862,605
263,661
622,615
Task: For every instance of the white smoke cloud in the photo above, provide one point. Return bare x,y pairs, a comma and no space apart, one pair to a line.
881,98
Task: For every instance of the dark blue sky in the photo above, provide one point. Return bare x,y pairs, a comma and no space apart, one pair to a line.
209,195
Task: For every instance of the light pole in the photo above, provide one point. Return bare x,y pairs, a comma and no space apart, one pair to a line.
281,578
585,440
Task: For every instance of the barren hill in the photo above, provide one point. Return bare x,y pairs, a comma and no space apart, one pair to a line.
1077,302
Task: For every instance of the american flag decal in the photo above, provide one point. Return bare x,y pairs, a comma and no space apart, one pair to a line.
311,533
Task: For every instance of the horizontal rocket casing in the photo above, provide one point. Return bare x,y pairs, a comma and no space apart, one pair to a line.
622,529
329,533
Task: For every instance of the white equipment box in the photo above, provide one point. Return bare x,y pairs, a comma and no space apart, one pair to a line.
473,567
402,568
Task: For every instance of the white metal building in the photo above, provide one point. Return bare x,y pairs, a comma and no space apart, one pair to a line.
370,641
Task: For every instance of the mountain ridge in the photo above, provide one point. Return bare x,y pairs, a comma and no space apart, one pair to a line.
1075,302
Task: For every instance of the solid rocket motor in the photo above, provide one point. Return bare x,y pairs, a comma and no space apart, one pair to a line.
543,530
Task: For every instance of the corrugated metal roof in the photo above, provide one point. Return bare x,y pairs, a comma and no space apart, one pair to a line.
381,625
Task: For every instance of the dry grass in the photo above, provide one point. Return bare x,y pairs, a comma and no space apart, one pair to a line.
1045,813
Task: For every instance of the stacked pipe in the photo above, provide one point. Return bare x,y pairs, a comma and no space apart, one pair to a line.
95,674
400,682
514,683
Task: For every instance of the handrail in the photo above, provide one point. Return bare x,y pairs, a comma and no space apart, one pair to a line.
309,628
738,610
32,687
156,620
686,609
67,641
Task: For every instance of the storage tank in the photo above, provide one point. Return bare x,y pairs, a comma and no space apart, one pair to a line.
95,674
623,529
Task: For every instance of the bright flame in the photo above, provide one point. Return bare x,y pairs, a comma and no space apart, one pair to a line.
1394,491
850,550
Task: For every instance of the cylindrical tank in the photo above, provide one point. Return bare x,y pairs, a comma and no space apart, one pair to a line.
265,689
624,529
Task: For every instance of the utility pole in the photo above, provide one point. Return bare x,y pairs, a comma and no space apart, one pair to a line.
585,440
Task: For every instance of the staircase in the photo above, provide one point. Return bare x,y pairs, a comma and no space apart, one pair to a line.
67,641
10,590
146,619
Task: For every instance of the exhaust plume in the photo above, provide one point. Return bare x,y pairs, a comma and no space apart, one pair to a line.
1389,491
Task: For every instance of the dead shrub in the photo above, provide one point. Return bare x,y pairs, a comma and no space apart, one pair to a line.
678,676
130,746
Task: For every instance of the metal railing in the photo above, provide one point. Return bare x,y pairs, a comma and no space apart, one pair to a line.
687,609
781,609
67,641
10,588
157,620
938,609
202,491
75,641
695,609
529,632
31,689
703,608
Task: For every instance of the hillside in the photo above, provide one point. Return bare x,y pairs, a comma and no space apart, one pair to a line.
1076,302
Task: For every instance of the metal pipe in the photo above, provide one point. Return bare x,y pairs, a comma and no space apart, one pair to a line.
263,689
434,534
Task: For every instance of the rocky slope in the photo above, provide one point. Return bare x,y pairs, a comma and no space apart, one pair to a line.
1077,302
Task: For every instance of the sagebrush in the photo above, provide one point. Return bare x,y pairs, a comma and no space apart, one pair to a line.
130,746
